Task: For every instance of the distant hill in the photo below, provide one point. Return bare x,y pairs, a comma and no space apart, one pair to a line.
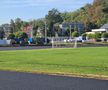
93,15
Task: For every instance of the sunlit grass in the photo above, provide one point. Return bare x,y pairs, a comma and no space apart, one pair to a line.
81,61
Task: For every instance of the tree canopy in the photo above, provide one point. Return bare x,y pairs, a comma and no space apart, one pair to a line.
92,15
53,17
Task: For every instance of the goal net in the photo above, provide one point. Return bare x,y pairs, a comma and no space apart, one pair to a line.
70,42
64,42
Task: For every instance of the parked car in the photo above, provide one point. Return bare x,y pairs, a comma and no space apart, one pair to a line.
68,40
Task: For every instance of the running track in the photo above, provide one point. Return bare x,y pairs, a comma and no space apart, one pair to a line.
28,81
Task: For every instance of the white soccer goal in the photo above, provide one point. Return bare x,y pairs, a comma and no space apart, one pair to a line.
64,42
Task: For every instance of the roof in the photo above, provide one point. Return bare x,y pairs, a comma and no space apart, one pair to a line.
72,23
105,26
98,30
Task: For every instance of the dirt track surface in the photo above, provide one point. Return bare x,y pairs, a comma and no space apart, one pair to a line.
28,81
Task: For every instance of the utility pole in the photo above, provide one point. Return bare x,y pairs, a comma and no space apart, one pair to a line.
31,31
70,32
45,32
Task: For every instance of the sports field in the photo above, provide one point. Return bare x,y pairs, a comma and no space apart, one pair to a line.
86,61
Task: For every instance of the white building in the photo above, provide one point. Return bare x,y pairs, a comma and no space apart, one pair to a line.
104,28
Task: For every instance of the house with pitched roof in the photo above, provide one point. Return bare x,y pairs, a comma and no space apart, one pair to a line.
104,28
79,26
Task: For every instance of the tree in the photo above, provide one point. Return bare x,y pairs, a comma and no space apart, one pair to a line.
67,32
105,6
75,34
91,25
104,35
84,36
53,17
38,24
57,29
21,35
11,36
12,26
98,35
25,24
105,9
92,15
2,34
66,16
35,28
91,36
18,24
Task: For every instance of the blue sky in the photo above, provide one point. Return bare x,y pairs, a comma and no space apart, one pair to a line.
34,9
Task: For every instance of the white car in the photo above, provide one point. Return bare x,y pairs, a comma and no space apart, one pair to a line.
68,40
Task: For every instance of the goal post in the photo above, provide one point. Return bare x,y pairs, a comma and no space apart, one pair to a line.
75,45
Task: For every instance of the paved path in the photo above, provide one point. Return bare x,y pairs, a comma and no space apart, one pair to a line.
24,48
25,81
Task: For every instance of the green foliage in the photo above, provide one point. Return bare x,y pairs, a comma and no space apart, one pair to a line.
105,9
12,26
92,15
38,24
11,36
105,35
2,34
67,33
40,41
57,29
91,36
66,16
17,25
75,34
21,35
84,35
105,6
98,35
53,17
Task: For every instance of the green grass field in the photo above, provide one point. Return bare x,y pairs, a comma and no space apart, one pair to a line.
66,61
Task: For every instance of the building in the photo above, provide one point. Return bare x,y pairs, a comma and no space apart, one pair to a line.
104,28
29,31
74,26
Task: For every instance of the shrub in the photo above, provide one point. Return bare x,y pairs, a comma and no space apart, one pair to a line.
97,35
75,34
104,35
91,36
